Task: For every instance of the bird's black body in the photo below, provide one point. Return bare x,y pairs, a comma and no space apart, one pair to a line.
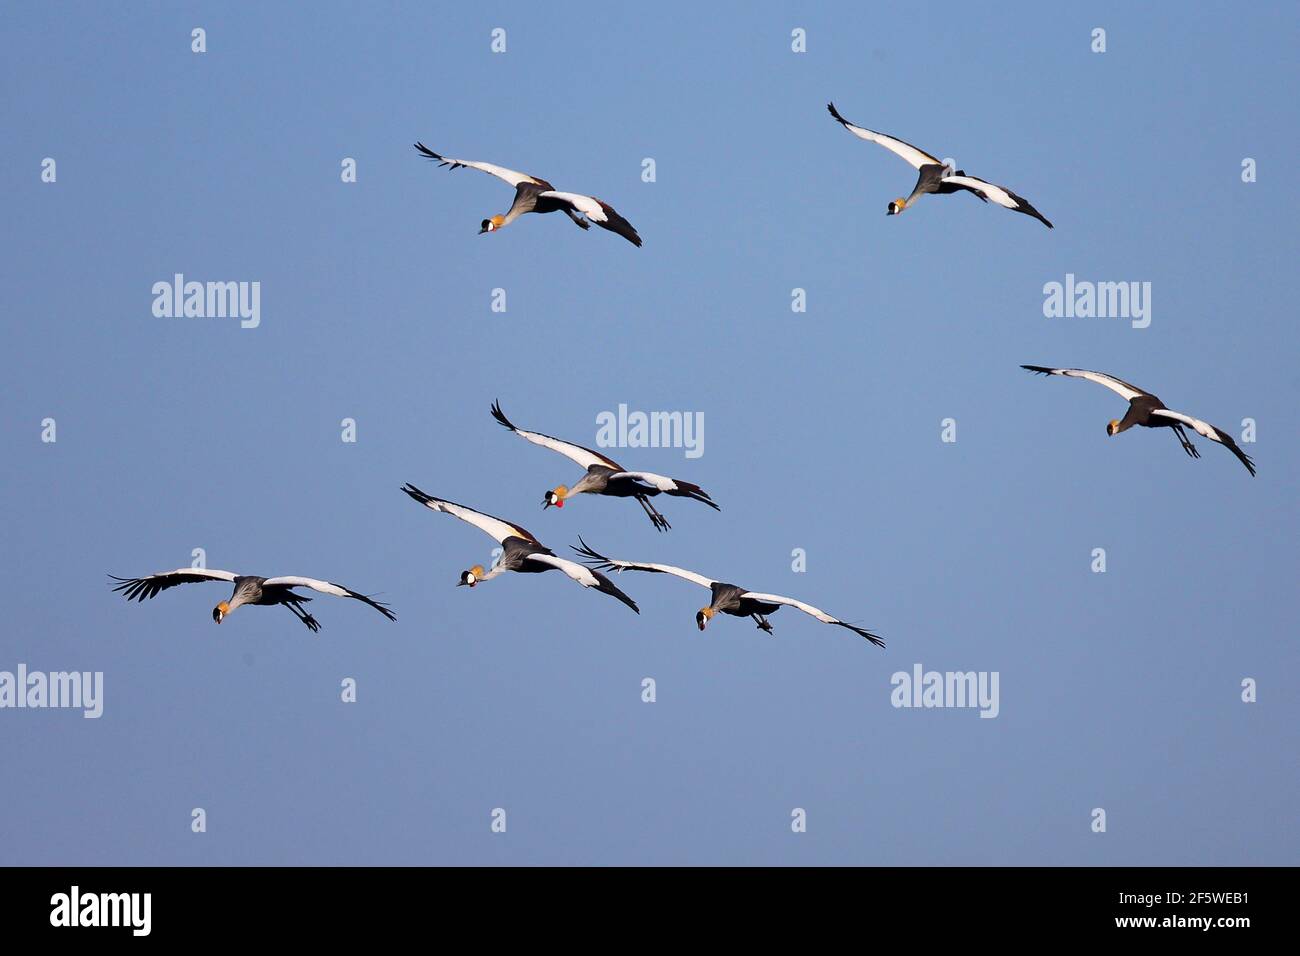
1139,413
528,198
729,599
930,180
251,588
514,556
599,480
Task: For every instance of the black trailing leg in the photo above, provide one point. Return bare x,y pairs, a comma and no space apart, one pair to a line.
658,520
312,624
1186,442
763,624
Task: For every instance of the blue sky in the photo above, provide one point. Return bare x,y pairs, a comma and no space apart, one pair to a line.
822,432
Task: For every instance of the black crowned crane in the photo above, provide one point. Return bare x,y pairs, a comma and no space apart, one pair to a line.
533,194
520,550
1148,411
936,176
607,477
727,598
249,589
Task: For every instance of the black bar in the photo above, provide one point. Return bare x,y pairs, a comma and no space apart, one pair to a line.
376,904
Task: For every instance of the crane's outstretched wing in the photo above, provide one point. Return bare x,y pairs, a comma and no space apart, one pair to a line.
500,172
1118,386
140,588
914,156
325,587
999,194
815,612
602,563
669,486
495,527
587,577
601,213
585,457
1206,430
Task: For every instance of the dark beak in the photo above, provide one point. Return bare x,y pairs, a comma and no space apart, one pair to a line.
546,503
461,584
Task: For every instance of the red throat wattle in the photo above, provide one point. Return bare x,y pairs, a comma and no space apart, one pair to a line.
559,502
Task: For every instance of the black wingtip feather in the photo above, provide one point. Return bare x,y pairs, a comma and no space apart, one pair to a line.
379,606
1245,459
686,489
427,153
416,493
863,632
500,416
606,586
595,560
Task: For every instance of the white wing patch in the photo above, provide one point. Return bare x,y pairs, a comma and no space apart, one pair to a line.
588,206
1204,429
650,478
682,573
988,190
323,586
578,572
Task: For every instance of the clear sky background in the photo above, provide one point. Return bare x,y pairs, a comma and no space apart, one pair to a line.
822,432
